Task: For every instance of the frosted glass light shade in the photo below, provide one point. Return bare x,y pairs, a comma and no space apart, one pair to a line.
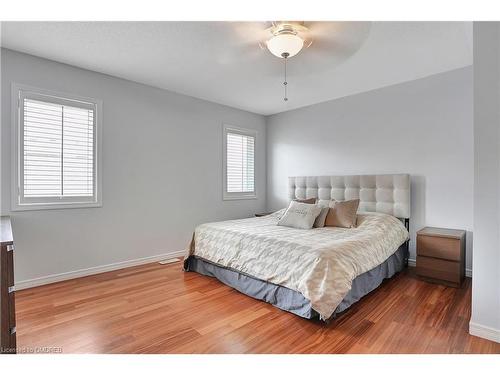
285,43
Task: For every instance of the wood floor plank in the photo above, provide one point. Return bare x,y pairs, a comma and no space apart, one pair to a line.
161,309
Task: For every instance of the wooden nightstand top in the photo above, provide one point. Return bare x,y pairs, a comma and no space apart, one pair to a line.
442,232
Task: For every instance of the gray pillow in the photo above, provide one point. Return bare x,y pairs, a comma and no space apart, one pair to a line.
320,220
300,215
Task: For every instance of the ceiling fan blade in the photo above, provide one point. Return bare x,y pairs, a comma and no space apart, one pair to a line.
331,34
252,33
333,43
246,42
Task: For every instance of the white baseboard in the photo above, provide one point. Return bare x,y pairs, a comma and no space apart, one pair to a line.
413,263
25,284
484,332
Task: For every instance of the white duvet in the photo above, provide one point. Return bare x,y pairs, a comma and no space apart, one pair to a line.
320,263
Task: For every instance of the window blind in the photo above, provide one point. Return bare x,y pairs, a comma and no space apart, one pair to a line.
58,150
240,161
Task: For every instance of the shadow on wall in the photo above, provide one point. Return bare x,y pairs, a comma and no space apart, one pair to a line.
417,210
468,252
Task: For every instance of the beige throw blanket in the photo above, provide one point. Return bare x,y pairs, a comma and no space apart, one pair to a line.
320,263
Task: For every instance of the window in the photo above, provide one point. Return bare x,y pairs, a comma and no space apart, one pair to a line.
239,163
56,150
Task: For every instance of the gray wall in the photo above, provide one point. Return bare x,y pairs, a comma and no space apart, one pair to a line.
486,269
151,200
423,127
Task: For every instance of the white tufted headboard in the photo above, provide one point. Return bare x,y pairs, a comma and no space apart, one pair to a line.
386,193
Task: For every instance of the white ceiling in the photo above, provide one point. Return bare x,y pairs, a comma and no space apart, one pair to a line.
222,61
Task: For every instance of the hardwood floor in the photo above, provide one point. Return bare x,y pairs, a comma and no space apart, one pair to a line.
161,309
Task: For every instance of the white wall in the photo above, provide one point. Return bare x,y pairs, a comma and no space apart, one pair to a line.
485,319
162,172
423,127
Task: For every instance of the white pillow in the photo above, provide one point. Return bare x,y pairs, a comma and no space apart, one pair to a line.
300,215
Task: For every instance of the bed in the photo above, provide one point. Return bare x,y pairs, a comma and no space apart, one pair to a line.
316,273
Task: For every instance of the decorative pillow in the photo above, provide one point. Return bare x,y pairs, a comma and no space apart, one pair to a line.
342,214
308,200
320,220
300,215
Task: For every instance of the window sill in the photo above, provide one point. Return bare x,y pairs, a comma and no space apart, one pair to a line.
53,206
238,197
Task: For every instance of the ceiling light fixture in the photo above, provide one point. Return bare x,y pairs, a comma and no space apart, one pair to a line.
285,44
287,40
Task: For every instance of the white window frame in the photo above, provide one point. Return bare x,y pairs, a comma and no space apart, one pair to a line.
18,202
248,132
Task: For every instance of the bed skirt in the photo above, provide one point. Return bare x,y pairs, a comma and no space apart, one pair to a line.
291,300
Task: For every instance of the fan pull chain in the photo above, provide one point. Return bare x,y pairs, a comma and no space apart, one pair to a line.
285,83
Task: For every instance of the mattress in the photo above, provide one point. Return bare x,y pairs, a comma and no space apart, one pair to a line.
321,264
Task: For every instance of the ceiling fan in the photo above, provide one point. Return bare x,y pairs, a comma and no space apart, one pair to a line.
328,43
287,39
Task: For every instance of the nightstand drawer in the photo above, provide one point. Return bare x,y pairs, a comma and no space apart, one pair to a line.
439,269
439,247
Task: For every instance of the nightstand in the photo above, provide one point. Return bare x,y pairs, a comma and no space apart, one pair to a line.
263,214
441,255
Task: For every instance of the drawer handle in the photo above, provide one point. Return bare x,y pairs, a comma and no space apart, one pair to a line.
12,289
10,247
13,330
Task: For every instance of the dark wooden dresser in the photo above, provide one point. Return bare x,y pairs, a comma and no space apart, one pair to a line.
441,255
7,290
